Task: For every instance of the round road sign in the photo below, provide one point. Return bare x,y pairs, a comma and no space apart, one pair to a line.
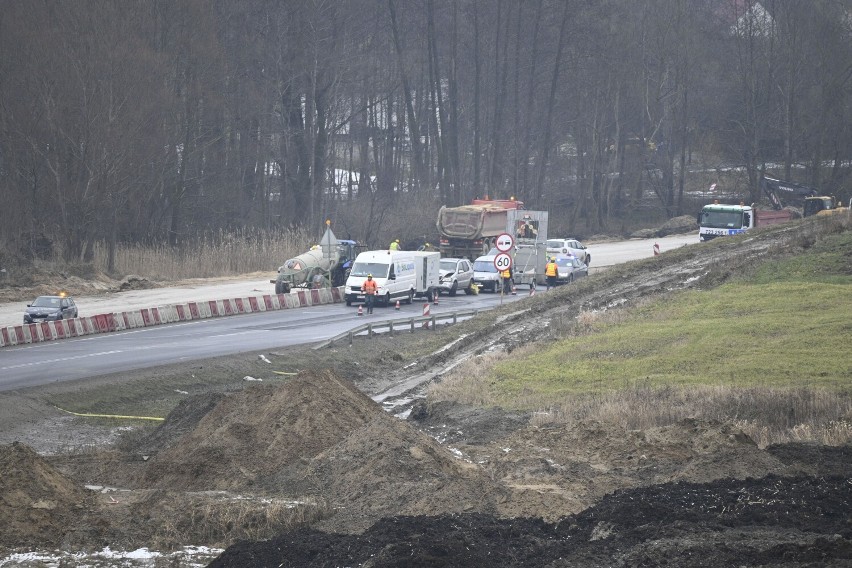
504,242
503,261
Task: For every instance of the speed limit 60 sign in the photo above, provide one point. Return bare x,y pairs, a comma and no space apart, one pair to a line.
503,261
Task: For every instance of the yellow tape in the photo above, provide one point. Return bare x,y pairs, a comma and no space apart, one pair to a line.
89,415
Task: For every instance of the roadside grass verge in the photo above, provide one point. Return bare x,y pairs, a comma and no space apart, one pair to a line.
768,350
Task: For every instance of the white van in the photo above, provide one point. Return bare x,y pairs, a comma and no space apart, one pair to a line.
485,274
394,272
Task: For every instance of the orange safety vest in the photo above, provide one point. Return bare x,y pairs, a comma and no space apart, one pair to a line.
550,269
369,287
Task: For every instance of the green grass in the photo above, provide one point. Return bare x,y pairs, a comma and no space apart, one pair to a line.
786,325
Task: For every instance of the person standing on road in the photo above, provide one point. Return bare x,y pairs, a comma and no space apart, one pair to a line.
551,271
394,245
508,285
369,288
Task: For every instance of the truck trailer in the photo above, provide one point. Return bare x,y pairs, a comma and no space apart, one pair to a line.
469,231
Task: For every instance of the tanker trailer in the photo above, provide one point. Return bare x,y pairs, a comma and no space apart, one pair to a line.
326,264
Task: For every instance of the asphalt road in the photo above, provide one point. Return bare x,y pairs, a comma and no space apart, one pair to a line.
43,363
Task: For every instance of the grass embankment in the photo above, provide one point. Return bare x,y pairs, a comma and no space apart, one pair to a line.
769,351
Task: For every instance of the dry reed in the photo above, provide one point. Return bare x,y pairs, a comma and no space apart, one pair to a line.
217,254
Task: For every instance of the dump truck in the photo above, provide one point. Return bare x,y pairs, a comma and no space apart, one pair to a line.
326,264
469,231
717,220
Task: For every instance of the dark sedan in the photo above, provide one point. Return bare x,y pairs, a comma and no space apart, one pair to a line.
50,308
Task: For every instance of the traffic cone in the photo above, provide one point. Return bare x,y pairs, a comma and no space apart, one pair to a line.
360,310
397,305
435,295
656,249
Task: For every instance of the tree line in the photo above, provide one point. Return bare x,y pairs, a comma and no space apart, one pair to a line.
157,121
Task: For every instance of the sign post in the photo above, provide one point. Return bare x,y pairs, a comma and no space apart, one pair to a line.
502,261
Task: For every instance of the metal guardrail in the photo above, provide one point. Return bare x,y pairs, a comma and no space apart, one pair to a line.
398,324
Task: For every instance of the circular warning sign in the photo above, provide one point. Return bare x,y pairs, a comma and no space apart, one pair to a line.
503,261
504,242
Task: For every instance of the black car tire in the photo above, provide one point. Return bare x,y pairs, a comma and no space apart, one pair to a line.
454,288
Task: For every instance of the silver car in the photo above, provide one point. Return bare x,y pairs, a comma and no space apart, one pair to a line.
573,247
455,274
570,268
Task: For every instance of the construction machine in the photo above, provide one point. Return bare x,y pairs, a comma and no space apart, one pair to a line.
326,264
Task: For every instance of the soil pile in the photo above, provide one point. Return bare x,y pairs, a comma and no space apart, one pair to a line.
388,468
770,521
252,435
37,503
317,436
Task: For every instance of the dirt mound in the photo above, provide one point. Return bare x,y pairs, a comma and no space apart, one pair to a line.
180,422
38,504
258,432
388,468
134,282
775,521
551,468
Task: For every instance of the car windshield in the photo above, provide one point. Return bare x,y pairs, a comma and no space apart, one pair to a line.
377,269
484,266
555,244
448,265
722,219
565,262
45,302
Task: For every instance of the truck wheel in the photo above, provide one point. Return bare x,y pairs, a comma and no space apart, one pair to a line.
279,288
386,300
410,299
348,301
469,289
455,288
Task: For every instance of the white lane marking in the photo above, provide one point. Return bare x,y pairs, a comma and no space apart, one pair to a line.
61,359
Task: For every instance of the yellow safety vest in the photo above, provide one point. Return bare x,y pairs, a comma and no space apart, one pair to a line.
550,269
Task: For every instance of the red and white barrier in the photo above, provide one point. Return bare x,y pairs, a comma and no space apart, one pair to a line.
120,321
